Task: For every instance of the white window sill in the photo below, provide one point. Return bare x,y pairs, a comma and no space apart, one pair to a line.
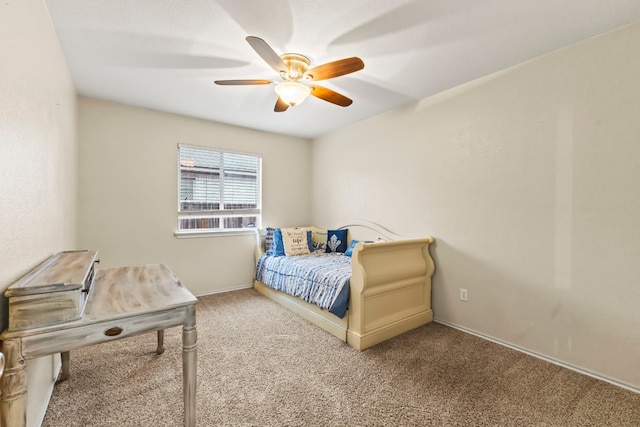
190,234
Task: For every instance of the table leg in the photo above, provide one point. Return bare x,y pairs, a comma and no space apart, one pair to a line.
13,384
189,367
160,348
65,356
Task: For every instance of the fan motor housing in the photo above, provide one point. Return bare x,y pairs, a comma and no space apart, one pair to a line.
296,64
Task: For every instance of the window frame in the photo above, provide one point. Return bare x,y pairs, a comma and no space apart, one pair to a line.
220,214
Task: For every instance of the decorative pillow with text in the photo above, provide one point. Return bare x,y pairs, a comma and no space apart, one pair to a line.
295,241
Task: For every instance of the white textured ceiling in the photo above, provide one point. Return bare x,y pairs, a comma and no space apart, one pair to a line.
166,54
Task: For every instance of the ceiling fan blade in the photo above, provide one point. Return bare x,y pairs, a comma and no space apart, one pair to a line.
280,106
330,96
335,68
269,55
243,82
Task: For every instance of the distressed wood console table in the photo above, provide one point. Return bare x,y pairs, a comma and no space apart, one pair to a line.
120,302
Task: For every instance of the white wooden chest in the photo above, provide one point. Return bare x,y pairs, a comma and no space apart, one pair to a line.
53,292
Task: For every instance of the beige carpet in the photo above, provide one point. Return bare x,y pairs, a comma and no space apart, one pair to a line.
260,365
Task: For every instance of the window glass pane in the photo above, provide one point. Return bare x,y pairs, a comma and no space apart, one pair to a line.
199,223
240,181
240,222
240,192
200,158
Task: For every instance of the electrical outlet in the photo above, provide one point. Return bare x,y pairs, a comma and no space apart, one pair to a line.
463,295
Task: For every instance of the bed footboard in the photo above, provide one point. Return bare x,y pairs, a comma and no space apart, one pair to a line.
390,290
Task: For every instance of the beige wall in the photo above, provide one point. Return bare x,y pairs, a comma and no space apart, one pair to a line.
37,160
529,182
128,191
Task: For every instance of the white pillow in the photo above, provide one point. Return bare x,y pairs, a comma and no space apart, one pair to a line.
295,241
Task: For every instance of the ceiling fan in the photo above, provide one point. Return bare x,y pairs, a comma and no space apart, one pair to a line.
297,77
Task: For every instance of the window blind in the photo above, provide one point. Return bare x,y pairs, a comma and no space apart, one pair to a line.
217,189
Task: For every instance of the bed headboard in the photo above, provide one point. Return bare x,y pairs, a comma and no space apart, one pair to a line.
361,229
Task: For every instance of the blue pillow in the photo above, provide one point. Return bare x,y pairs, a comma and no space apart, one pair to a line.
268,240
336,240
352,245
309,241
278,244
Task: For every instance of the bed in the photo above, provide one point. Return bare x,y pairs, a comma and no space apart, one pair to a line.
389,289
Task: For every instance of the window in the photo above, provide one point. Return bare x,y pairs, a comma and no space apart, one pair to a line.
217,190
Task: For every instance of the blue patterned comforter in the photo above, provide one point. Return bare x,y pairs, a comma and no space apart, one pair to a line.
318,278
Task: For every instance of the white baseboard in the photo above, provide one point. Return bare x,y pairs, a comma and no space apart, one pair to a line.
219,291
541,356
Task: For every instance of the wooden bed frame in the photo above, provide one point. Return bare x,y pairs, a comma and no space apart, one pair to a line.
390,287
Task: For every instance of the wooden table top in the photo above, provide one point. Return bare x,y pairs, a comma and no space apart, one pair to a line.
124,292
129,291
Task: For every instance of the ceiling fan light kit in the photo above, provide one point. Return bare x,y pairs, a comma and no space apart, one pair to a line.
292,92
294,69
